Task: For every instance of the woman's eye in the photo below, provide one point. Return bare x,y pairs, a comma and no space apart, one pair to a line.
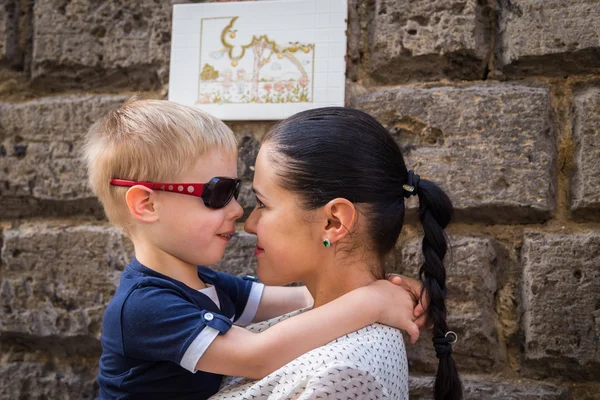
259,204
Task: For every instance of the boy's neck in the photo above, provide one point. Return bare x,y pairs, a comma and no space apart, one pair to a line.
169,265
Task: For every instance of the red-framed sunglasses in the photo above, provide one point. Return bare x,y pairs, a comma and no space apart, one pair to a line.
216,193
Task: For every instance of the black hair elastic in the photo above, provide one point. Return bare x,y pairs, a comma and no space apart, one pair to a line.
443,344
411,187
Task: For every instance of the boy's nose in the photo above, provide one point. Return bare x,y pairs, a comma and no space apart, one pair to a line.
236,209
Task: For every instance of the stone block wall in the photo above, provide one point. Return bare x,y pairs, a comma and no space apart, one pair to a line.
496,100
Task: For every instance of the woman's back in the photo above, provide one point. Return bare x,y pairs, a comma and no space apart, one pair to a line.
367,364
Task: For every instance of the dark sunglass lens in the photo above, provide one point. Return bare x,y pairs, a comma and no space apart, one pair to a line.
222,192
236,192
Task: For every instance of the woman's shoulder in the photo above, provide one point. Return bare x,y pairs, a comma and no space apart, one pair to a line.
372,359
381,338
376,348
376,331
371,345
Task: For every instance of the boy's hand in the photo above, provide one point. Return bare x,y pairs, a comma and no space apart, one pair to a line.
414,287
396,306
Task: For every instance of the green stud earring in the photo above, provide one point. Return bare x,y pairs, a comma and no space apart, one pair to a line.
326,242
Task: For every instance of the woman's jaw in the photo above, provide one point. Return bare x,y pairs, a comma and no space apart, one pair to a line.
326,280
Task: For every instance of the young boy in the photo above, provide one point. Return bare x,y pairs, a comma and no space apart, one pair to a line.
165,174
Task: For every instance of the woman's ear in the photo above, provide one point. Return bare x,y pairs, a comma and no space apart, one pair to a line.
140,201
341,216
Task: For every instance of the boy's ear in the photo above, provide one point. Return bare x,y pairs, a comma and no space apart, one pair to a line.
341,216
140,202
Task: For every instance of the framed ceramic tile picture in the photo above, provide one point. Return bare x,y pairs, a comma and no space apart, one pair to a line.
258,60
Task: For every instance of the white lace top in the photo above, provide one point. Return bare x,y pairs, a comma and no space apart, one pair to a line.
367,364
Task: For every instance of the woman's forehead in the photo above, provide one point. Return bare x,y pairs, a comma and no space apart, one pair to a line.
266,179
263,160
262,167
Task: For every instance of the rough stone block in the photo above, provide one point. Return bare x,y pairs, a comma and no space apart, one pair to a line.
38,380
490,388
39,152
85,43
585,186
491,147
548,37
57,279
9,18
472,284
561,321
248,148
5,28
422,40
247,199
15,33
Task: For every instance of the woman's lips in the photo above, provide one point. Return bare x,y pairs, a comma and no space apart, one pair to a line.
258,250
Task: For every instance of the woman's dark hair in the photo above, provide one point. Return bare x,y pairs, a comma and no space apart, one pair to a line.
332,152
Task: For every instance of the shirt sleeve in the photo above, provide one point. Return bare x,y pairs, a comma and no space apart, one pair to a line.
245,294
252,304
159,324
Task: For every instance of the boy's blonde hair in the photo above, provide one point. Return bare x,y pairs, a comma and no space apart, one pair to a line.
147,140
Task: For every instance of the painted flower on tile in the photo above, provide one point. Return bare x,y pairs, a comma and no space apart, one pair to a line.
238,72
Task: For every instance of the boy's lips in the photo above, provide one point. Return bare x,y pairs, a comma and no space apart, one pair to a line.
227,235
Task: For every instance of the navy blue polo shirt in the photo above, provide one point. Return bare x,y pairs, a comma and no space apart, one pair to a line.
156,328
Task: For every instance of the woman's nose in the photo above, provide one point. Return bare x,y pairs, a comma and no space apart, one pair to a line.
250,224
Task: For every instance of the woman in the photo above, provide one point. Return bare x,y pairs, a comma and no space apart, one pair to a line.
330,186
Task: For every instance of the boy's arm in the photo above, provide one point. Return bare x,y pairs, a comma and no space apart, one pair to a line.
279,300
263,304
242,353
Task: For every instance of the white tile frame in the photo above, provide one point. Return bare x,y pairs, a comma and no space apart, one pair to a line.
328,30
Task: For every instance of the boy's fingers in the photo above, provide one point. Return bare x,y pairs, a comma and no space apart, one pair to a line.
419,310
421,323
413,332
396,280
423,303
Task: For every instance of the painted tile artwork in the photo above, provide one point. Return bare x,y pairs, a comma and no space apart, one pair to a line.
241,66
264,59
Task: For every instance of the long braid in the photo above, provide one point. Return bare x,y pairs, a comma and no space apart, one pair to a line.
435,213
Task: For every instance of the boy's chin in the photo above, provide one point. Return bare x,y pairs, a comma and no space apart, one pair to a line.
212,260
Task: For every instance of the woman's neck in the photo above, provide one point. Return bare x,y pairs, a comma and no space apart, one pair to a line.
337,280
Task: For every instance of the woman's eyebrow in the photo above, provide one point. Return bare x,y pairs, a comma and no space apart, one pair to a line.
257,192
